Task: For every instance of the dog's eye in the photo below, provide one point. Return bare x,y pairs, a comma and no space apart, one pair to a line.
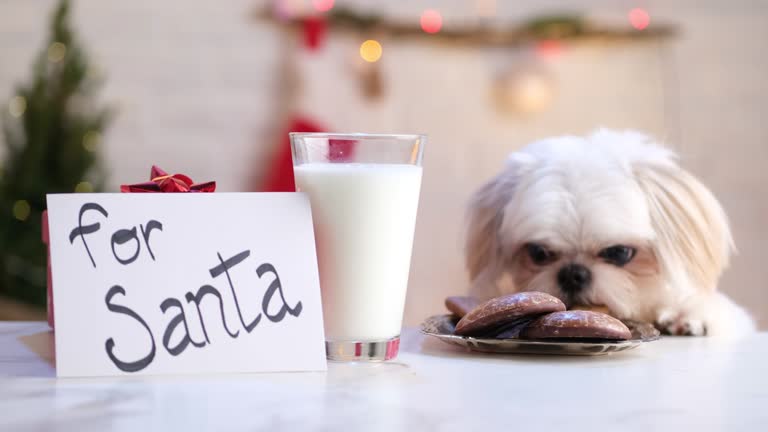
618,255
539,254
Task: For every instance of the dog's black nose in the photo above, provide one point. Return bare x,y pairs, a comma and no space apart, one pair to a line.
573,278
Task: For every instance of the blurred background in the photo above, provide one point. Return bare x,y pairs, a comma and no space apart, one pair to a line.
93,95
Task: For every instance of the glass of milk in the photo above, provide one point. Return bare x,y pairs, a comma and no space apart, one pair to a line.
364,192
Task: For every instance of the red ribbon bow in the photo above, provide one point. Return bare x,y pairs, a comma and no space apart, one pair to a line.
161,181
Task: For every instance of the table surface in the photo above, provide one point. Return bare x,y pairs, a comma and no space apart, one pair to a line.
697,384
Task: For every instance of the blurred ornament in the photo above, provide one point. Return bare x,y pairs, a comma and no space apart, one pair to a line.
371,81
371,51
323,5
21,210
529,90
367,68
314,32
639,18
17,106
56,52
431,21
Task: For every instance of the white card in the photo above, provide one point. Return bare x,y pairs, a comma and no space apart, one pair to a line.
184,283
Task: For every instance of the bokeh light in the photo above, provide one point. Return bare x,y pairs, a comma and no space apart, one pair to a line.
84,187
17,106
56,52
323,5
91,141
431,21
21,210
639,18
548,48
371,51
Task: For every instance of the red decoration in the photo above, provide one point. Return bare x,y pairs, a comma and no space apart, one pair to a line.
49,280
314,32
341,150
161,181
431,21
280,176
639,18
548,48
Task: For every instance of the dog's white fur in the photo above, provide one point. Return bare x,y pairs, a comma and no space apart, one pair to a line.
579,195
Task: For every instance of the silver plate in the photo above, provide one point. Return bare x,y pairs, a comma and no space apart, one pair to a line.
442,326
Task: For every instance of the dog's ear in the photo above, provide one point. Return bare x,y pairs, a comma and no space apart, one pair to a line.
691,226
483,248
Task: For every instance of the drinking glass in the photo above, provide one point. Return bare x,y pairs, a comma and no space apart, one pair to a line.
364,193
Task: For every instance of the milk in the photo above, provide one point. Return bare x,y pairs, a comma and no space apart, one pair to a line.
364,216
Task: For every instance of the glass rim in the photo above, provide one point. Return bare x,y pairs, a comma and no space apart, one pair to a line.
356,135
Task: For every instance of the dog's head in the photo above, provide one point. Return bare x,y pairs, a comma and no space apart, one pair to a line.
610,220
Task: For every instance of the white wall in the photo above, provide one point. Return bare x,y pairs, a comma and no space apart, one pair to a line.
198,84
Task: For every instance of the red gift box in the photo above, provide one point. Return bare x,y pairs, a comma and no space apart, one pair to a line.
160,181
49,302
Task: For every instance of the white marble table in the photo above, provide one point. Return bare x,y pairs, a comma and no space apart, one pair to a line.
677,384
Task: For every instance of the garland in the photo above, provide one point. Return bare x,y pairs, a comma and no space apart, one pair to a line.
554,27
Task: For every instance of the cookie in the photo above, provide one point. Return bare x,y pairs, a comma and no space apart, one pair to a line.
576,324
461,305
504,316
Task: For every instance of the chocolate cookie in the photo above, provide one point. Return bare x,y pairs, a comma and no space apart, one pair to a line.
576,324
461,305
504,316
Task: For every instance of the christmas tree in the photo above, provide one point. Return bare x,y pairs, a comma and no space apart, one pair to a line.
51,131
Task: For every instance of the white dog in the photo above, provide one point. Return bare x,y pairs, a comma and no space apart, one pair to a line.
607,221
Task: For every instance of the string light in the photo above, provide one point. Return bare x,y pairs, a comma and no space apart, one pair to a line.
84,187
21,210
371,51
639,18
548,48
323,5
56,52
17,106
91,141
431,21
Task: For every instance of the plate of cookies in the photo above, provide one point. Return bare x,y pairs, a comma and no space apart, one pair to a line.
534,323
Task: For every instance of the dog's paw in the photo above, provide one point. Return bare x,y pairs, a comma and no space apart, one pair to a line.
680,325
